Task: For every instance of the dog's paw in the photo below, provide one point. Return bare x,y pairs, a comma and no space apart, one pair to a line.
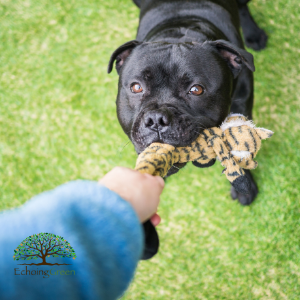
257,40
248,198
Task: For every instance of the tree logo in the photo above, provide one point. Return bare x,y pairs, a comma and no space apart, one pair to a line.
43,245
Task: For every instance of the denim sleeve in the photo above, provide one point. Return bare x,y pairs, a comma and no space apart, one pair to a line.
103,230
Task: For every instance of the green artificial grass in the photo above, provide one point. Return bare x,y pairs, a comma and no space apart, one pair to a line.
58,123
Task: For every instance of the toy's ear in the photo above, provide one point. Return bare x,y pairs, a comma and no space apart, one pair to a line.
234,56
264,133
120,55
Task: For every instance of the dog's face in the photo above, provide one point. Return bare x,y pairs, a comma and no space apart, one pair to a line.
170,92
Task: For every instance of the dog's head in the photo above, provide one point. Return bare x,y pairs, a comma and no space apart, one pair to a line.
170,92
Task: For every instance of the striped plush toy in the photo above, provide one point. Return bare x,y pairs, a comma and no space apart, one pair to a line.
235,144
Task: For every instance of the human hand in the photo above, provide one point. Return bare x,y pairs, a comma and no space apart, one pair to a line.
142,191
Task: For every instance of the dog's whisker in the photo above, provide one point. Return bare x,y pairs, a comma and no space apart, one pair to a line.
120,150
204,127
175,167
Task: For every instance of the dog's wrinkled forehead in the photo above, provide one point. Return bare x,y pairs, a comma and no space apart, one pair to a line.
211,56
166,61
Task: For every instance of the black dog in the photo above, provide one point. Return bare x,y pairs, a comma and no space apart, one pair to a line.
186,70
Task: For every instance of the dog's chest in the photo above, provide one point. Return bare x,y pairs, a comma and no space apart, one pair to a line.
219,19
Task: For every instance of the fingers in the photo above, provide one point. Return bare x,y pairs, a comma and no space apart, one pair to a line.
155,219
141,190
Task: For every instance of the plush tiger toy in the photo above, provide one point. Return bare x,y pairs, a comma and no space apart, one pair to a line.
235,144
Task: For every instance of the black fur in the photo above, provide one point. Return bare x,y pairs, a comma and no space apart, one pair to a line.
180,44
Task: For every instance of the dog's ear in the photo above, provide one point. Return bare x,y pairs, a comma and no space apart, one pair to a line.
120,55
234,56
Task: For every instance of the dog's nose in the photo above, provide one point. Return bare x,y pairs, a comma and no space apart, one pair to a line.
157,120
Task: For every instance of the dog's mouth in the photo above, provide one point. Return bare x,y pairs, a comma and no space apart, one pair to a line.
174,138
165,124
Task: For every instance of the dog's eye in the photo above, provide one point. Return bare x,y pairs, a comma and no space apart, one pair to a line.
136,88
196,90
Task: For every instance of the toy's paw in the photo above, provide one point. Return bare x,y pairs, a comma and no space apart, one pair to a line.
151,240
209,164
246,199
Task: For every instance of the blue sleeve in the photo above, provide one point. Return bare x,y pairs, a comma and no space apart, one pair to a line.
102,228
